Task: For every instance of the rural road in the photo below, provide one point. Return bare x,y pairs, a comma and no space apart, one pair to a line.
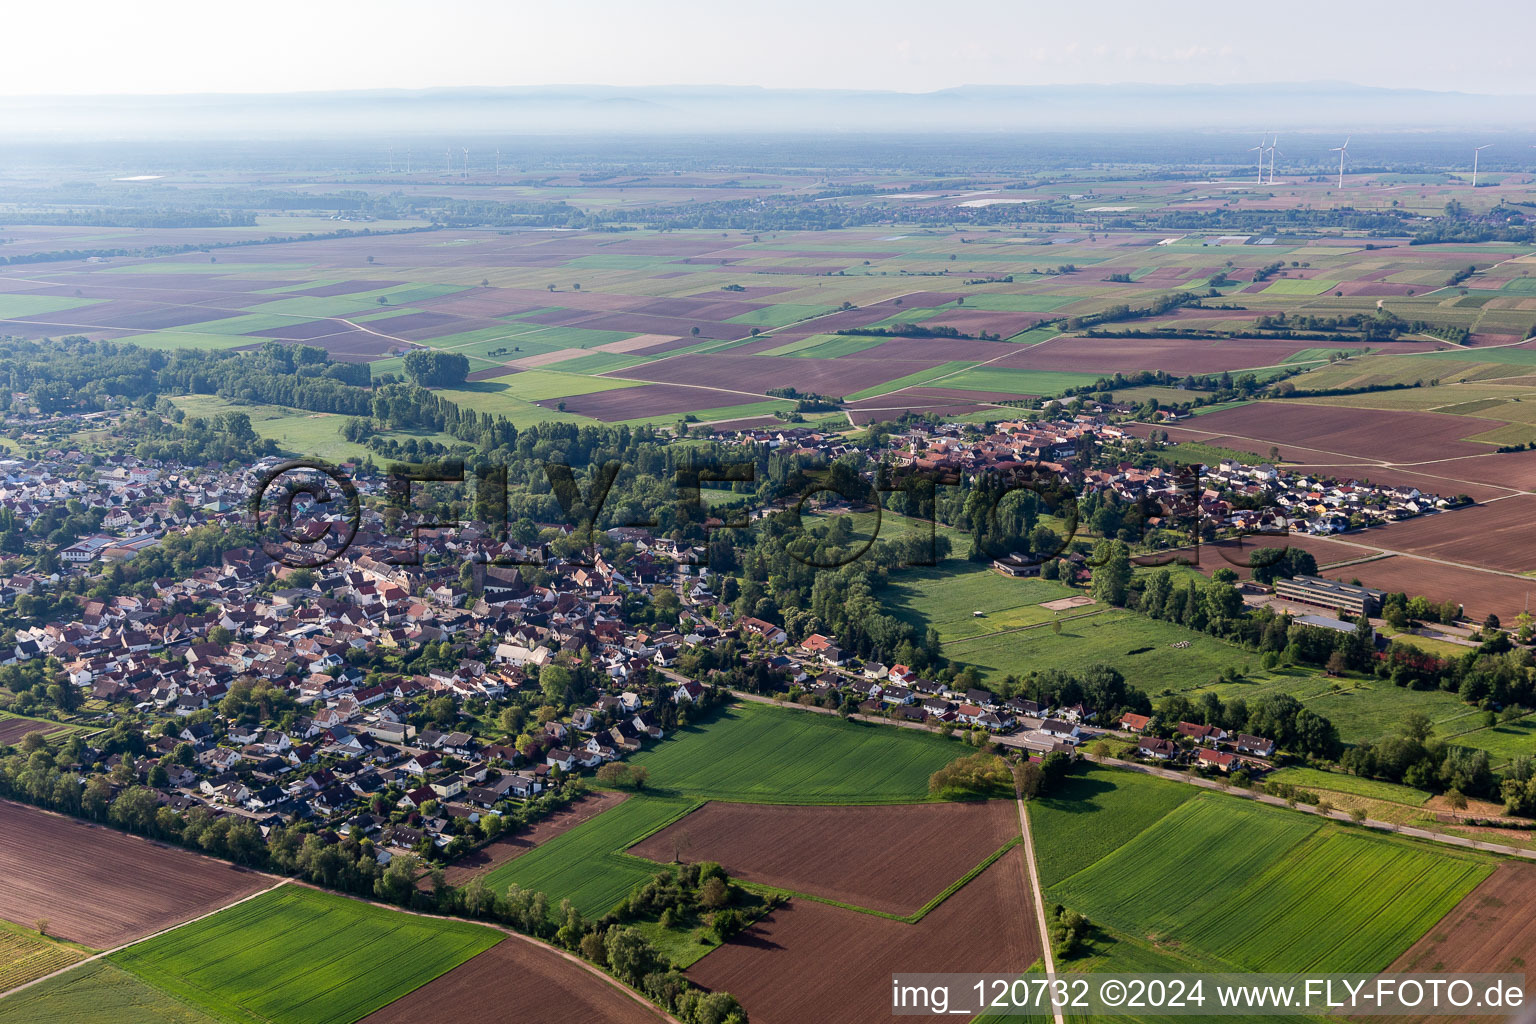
1383,826
1038,899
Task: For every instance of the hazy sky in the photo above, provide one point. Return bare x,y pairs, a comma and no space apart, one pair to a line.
172,46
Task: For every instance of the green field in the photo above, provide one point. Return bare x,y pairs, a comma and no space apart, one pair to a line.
1018,382
754,753
946,597
1107,636
37,305
1339,782
167,341
585,864
296,431
778,315
300,956
911,380
1095,813
99,993
1274,890
1294,286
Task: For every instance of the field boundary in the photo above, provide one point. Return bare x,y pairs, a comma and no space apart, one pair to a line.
164,931
912,918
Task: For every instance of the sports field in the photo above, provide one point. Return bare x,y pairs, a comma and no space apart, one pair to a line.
947,597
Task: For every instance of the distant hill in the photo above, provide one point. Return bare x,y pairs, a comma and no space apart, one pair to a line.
574,109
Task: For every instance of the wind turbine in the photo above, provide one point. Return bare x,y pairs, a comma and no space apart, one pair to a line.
1475,152
1273,148
1341,150
498,161
466,164
448,156
1259,149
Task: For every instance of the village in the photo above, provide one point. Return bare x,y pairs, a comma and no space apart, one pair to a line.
421,762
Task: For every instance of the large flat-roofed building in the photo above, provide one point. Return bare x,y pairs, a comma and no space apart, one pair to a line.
1315,590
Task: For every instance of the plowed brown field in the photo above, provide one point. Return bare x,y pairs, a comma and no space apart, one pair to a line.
809,961
102,888
1491,930
893,858
516,980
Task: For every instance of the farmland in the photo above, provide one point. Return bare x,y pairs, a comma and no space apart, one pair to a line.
756,754
890,859
14,727
516,980
1262,864
1095,814
100,993
1489,930
25,956
259,959
509,848
585,864
794,964
99,887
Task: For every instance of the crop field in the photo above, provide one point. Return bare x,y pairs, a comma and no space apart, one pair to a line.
100,993
1141,648
1367,433
1477,591
1094,814
754,753
14,727
1275,891
1339,782
891,859
1491,535
640,306
99,887
812,961
518,980
1491,929
508,848
300,956
25,957
586,864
